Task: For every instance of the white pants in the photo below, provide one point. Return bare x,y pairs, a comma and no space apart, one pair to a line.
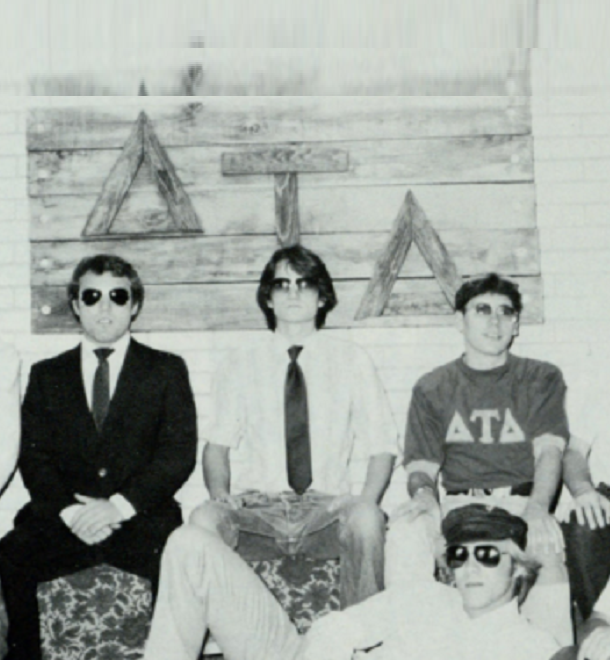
411,548
204,584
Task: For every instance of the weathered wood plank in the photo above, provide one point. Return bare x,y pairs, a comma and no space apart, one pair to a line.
168,182
287,224
117,183
216,259
321,210
389,264
433,250
232,307
252,119
277,160
455,160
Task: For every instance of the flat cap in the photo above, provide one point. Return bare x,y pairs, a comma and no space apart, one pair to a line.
479,522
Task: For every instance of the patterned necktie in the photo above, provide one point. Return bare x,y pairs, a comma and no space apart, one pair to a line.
101,387
298,450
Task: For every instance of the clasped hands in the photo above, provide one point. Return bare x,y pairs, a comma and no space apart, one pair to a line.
95,519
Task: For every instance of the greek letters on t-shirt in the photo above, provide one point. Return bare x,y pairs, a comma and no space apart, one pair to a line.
486,427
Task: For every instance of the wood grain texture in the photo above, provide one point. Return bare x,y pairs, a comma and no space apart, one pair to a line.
287,223
284,158
232,307
255,120
117,183
433,250
244,210
172,260
493,159
168,182
388,264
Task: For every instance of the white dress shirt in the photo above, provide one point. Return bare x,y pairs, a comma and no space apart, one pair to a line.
425,620
348,412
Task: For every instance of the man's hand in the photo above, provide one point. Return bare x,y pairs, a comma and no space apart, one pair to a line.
96,519
592,509
597,645
422,503
543,532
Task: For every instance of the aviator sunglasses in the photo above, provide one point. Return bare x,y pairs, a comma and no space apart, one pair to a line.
283,284
91,297
487,555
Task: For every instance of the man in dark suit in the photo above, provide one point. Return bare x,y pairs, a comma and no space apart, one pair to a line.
109,436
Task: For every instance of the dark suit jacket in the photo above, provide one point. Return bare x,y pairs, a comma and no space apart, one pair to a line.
147,446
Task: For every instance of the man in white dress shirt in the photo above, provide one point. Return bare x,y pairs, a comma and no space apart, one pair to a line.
290,413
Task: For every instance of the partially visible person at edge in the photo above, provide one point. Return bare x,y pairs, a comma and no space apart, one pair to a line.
9,439
278,458
488,427
586,515
108,437
420,620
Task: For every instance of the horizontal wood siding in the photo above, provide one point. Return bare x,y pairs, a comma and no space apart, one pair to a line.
252,120
233,306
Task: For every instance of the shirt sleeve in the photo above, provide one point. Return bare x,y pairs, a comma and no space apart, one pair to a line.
226,427
373,418
548,418
424,437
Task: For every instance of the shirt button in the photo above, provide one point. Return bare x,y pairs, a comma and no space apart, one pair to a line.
102,472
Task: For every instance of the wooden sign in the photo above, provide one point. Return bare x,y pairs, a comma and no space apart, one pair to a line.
329,172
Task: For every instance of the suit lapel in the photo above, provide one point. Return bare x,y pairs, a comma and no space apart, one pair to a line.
70,384
129,379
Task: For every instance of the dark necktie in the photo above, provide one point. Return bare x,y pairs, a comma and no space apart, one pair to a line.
101,387
298,451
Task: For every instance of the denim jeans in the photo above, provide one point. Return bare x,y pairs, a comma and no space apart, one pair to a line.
269,526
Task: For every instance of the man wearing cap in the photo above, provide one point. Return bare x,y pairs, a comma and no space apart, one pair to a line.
422,620
109,435
490,427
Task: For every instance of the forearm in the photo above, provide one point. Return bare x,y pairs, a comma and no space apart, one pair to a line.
576,473
547,474
216,470
378,476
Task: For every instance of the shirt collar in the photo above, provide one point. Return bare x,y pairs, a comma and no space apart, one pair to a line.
281,344
119,347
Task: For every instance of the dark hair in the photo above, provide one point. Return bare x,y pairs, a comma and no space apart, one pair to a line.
107,263
307,264
490,283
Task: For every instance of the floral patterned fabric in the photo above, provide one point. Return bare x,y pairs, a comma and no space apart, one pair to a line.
306,588
100,613
103,613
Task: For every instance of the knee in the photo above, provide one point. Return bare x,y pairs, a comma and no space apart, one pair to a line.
206,516
363,520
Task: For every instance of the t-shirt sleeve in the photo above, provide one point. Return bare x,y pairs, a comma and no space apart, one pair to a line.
549,422
424,441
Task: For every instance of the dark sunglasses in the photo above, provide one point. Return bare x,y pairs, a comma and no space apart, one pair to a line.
487,555
302,283
91,297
